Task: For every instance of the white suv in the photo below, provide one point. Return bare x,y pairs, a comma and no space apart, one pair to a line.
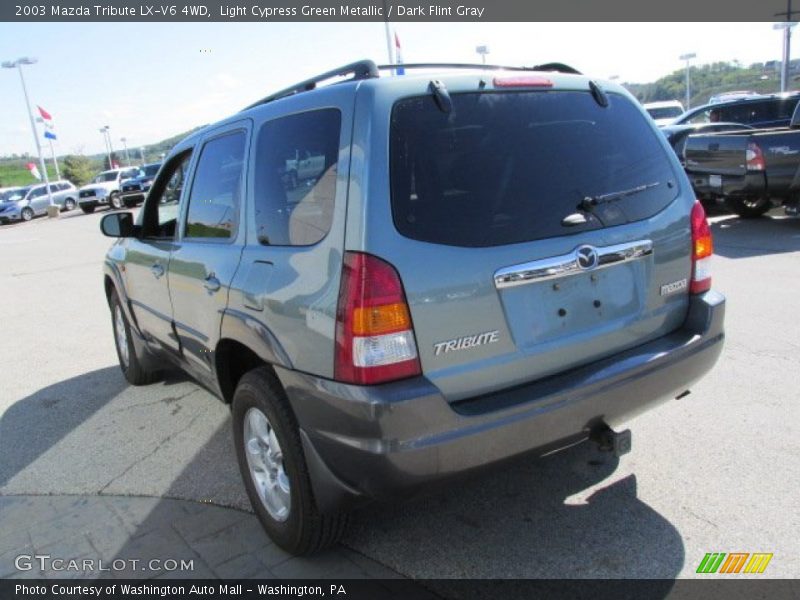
104,189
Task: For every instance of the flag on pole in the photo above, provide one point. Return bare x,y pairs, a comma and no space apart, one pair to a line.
45,115
398,52
49,135
34,171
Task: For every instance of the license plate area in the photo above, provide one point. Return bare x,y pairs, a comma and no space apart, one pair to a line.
715,180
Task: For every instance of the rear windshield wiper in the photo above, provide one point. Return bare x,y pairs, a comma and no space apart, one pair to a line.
590,202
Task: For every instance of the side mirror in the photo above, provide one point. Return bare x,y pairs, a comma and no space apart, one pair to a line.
117,225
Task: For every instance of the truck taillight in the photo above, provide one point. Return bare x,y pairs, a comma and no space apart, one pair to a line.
374,335
702,250
755,158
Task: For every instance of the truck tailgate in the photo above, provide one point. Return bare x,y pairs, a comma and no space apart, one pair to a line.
719,153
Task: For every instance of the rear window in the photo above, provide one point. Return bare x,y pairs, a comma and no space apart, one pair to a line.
503,168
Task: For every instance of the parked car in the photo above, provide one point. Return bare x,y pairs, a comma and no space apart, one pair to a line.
105,189
752,171
25,203
678,134
766,111
664,113
479,268
134,190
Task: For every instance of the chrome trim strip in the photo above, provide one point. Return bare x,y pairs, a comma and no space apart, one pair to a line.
567,264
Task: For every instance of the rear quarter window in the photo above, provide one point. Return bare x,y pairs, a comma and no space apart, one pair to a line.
504,168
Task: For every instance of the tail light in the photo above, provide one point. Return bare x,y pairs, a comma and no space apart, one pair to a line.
755,158
374,335
702,250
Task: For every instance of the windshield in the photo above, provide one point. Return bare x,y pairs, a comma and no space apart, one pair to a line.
15,194
666,112
502,168
151,170
106,176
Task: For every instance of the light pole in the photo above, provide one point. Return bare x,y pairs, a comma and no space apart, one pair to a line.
483,51
787,42
125,145
687,58
102,130
141,154
52,209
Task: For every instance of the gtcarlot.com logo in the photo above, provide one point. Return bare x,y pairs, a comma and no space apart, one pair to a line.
45,562
734,562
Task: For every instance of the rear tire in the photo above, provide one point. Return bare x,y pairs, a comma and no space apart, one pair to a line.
87,209
302,529
749,208
129,362
114,201
69,204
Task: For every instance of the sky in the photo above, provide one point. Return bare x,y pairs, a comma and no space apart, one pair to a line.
149,81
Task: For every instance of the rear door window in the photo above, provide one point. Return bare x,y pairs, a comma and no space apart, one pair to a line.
502,168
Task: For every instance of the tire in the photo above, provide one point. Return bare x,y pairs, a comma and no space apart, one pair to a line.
26,214
69,204
87,209
129,362
749,208
114,201
301,529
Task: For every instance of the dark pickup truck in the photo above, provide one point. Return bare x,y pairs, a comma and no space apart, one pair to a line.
753,171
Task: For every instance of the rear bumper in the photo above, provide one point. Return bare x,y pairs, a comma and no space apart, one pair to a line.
385,442
748,185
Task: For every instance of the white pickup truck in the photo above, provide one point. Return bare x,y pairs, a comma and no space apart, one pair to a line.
104,189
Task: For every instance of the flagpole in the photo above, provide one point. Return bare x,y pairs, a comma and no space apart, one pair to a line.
388,32
55,161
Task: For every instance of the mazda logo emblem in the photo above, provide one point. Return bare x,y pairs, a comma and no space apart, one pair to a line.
587,257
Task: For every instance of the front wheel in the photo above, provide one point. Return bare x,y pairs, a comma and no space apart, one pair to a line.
750,208
26,214
274,470
129,362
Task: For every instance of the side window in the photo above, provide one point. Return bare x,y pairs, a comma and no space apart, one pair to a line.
295,179
216,188
160,214
40,191
702,117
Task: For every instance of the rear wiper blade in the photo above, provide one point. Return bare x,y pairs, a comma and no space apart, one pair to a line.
591,201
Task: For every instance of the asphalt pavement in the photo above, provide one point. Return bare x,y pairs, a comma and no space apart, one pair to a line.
713,472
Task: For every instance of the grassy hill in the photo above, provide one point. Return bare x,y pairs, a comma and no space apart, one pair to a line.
711,79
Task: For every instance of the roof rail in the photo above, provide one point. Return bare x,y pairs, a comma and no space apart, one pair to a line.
559,67
363,69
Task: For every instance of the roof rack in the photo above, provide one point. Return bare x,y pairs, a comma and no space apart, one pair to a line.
367,69
363,69
558,67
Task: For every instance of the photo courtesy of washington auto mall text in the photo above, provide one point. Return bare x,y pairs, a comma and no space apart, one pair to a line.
368,299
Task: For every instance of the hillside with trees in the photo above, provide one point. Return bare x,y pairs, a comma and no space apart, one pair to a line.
715,78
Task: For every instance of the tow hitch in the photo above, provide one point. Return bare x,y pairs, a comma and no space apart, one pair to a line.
608,440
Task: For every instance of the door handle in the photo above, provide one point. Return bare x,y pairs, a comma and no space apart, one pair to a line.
211,283
157,270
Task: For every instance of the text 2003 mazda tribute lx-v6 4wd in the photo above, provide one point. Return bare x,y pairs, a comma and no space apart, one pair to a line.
475,264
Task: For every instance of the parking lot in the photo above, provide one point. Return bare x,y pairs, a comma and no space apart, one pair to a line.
712,472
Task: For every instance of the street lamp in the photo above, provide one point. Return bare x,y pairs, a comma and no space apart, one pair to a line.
52,209
104,131
125,145
141,154
787,41
687,58
483,51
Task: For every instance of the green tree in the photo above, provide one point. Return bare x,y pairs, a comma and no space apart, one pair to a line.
77,169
